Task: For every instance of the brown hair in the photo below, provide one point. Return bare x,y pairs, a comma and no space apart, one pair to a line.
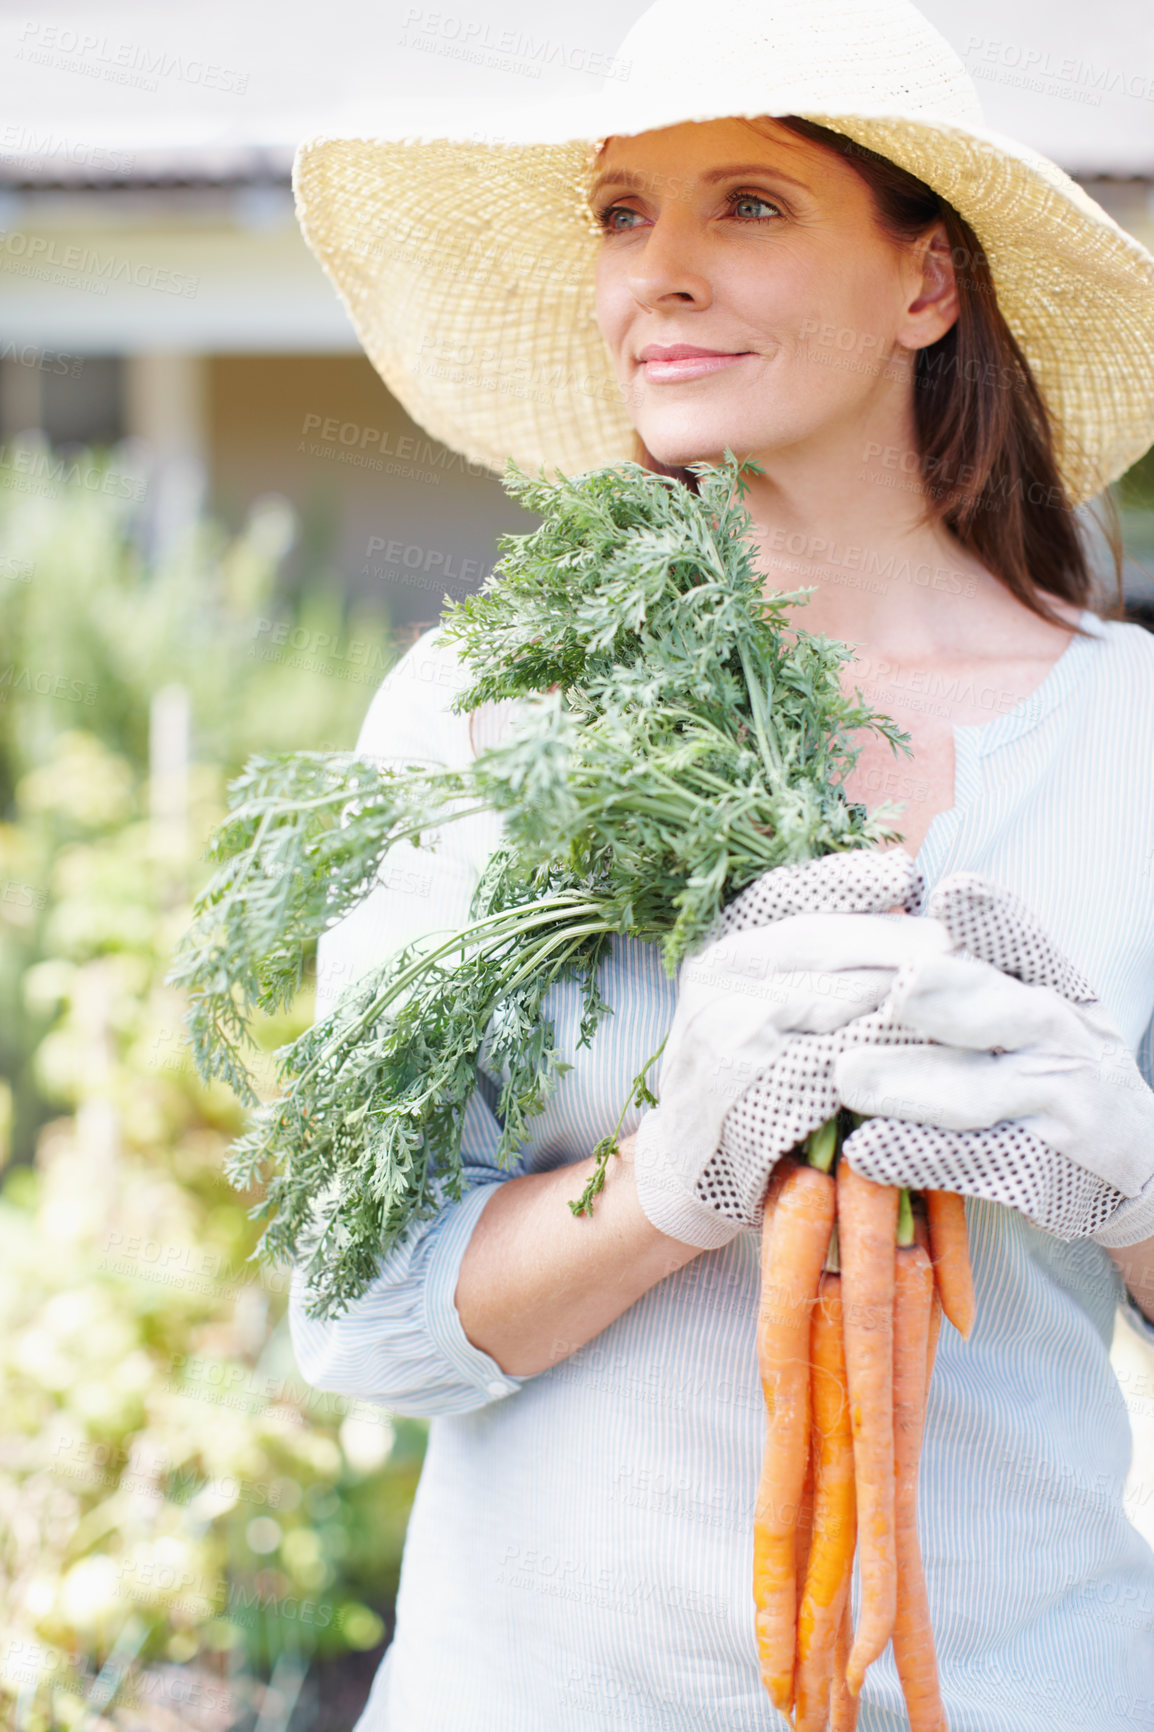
984,435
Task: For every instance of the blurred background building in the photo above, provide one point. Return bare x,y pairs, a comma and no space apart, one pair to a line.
163,141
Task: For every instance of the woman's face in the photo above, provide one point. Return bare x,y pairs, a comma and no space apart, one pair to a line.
765,249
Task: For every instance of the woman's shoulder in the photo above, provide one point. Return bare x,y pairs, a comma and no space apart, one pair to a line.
410,715
1126,641
1121,669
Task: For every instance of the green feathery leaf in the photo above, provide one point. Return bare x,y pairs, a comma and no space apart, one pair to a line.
676,737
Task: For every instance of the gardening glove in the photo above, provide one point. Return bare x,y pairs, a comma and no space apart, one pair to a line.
798,1091
803,949
1020,1087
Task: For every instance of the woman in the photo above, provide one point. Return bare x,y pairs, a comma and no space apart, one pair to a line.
579,1553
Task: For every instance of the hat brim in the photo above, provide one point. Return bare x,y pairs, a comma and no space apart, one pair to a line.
467,268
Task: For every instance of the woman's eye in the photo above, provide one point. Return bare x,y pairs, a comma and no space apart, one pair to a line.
607,213
752,198
748,206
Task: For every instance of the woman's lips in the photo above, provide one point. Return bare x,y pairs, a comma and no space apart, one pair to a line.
687,367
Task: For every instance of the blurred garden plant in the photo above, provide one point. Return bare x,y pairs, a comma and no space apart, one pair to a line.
179,1515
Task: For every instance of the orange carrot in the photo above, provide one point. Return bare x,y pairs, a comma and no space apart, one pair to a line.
913,1636
922,1238
950,1250
867,1216
802,1541
794,1244
935,1331
842,1706
827,1579
780,1174
803,1536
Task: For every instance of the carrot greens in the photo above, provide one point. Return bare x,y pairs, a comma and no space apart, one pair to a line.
676,737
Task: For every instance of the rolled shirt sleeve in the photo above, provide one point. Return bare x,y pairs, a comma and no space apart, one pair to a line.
402,1343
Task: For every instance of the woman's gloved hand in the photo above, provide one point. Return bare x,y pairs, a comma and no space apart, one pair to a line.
803,950
1020,1088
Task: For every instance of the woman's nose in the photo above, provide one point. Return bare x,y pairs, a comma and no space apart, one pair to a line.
669,264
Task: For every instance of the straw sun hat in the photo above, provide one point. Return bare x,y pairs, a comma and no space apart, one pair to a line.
467,263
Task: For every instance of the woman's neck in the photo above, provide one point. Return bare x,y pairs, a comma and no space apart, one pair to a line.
882,578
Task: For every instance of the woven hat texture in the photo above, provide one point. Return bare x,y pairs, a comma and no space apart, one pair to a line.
467,263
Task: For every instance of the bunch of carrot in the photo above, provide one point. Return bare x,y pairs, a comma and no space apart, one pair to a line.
855,1277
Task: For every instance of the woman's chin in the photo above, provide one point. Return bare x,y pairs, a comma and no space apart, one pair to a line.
677,448
679,453
682,459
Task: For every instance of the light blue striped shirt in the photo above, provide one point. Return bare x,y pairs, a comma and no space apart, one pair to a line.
579,1555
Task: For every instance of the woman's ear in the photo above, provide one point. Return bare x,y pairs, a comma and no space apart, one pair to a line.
933,306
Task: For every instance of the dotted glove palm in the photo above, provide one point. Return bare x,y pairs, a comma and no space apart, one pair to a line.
1013,1082
802,951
